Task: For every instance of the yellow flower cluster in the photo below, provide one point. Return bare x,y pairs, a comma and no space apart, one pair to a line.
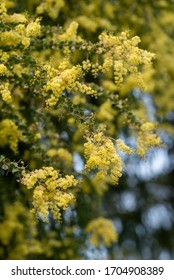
95,185
50,191
51,7
71,33
15,18
147,138
123,55
106,115
10,135
22,32
145,78
67,79
86,64
3,9
4,56
5,93
33,29
119,72
109,85
62,154
101,156
100,186
96,68
106,112
101,230
87,23
78,99
18,69
124,148
3,70
17,226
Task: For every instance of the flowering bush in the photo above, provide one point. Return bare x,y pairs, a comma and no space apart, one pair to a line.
66,93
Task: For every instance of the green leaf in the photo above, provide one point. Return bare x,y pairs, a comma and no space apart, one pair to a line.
4,167
2,157
7,160
14,170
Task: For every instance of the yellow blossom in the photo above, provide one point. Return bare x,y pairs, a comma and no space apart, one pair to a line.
86,64
3,9
16,18
9,134
62,154
102,231
4,55
18,69
71,33
87,23
95,185
10,38
78,99
123,55
5,93
147,126
3,70
106,112
67,79
50,191
147,139
101,156
17,225
51,7
122,147
109,85
33,29
25,42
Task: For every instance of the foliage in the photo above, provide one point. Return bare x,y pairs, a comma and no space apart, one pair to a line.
69,72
